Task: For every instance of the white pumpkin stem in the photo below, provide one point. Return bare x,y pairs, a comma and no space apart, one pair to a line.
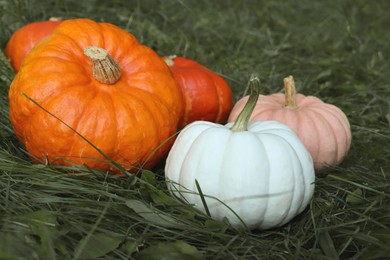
290,93
241,123
169,60
104,67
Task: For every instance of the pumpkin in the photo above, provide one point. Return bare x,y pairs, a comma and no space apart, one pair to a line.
207,96
258,175
91,91
26,37
323,128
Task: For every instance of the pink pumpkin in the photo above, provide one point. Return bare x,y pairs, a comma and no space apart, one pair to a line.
323,128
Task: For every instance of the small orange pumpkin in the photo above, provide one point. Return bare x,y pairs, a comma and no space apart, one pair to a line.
26,37
207,96
101,82
323,128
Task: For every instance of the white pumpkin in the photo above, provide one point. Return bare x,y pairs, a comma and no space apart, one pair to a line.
261,175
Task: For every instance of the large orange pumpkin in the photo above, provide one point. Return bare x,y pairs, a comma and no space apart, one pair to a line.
206,95
323,128
26,37
100,81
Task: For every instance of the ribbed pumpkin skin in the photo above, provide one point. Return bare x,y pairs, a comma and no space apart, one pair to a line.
25,38
265,174
207,96
127,120
323,128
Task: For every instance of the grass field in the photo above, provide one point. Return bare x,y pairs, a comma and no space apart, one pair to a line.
337,50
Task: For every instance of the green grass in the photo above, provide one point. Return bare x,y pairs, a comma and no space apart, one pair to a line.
337,50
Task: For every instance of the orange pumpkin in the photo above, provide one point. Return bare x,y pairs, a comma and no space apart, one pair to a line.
323,128
207,96
117,94
26,37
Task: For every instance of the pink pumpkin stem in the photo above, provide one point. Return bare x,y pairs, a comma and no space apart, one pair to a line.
290,93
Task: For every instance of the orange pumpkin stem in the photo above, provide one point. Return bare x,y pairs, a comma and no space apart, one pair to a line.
55,19
104,67
169,60
290,93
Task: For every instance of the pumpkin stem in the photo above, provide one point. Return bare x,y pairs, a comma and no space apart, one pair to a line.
241,123
55,19
169,60
104,67
290,93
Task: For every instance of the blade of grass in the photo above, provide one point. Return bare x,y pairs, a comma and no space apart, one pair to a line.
114,163
206,208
